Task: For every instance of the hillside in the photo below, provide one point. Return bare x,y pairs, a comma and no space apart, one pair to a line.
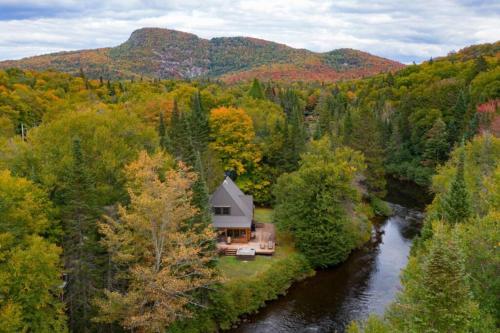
163,53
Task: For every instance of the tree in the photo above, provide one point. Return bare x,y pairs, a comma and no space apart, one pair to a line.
162,132
479,241
366,137
320,206
198,126
30,267
457,123
436,144
232,137
455,204
256,90
436,294
82,252
166,264
201,197
108,139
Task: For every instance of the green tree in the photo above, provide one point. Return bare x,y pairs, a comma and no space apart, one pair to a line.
312,202
366,137
256,90
458,122
455,204
436,144
198,126
436,293
82,251
162,132
30,267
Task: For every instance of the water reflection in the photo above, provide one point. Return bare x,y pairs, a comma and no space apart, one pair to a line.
364,284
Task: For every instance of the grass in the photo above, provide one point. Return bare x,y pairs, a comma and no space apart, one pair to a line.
264,215
233,268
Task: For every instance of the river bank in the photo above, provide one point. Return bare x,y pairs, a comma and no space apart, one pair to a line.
364,284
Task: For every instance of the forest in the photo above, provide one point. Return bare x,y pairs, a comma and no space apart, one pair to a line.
105,224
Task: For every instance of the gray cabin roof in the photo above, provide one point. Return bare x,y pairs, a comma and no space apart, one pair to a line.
229,195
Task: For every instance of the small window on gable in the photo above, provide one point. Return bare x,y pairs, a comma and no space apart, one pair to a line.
222,210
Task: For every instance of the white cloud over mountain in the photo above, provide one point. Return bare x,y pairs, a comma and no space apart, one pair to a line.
401,30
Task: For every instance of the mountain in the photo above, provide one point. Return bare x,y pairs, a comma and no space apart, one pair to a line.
164,53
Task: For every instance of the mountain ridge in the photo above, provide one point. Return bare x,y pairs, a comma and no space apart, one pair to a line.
165,53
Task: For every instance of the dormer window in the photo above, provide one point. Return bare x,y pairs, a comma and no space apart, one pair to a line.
222,210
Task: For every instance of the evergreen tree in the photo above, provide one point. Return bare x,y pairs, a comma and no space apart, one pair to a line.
436,295
162,132
347,126
178,132
256,90
198,125
366,137
297,136
457,124
436,144
82,252
456,205
201,197
111,89
324,113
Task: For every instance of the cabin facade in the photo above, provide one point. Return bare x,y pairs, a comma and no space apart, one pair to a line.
232,213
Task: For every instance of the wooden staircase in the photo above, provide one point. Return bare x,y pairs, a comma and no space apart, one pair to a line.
230,252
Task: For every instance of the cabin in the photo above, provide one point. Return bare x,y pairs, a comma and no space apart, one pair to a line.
232,213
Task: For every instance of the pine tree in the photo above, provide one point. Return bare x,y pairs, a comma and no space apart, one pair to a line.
81,248
324,112
457,124
347,126
436,144
456,205
162,132
111,89
256,90
436,295
177,131
198,125
297,135
366,137
201,197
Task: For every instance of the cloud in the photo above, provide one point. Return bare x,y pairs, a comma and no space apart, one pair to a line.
402,30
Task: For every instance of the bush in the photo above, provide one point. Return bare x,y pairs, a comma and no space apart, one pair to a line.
380,207
246,295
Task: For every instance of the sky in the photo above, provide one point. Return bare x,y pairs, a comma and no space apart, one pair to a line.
403,30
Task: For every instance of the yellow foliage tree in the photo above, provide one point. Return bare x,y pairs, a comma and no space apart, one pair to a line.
232,135
166,264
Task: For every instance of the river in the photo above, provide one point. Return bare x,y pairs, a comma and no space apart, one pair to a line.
366,283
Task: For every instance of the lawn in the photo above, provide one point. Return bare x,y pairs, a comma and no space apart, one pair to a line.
264,215
232,268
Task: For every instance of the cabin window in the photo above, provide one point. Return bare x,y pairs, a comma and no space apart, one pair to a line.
236,233
222,210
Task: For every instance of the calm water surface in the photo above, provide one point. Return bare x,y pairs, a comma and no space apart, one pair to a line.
366,283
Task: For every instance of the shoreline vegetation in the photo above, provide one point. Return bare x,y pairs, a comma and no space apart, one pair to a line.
248,285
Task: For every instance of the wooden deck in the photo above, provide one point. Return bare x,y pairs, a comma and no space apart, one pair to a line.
264,232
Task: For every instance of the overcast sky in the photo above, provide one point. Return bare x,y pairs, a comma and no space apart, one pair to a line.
397,29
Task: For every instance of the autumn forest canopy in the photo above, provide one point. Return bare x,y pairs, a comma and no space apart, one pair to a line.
106,172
